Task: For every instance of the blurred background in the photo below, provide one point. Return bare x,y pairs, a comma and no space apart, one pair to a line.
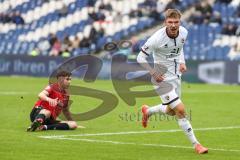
38,35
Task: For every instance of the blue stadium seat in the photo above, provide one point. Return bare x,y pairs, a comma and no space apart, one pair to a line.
27,6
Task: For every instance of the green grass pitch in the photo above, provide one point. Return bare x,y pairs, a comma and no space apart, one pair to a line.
209,106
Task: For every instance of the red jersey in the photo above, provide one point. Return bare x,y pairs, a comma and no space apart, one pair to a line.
54,92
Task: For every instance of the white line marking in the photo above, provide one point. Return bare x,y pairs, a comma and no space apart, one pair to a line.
81,127
141,144
14,93
210,91
140,132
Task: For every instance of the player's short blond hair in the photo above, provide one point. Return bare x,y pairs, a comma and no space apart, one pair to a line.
173,13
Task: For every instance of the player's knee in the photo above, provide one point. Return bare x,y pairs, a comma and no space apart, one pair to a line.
171,113
180,112
47,113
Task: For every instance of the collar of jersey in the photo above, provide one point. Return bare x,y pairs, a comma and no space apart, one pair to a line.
171,37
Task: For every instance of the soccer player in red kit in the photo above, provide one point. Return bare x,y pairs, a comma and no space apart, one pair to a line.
52,101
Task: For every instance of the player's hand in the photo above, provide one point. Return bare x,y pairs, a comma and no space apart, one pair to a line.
52,102
158,77
183,68
60,104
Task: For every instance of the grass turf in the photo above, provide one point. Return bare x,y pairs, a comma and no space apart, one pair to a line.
207,105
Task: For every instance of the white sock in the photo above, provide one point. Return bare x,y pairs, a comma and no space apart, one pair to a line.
187,128
157,109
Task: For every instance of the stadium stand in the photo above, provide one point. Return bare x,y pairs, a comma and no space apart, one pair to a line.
208,39
74,27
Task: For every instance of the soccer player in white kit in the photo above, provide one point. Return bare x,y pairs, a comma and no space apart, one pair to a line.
166,45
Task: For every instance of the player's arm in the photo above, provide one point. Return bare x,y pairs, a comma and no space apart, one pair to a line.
183,67
44,96
146,50
67,113
142,60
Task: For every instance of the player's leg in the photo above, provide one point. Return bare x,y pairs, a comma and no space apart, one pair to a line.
43,115
60,125
171,98
187,128
183,122
38,117
149,111
175,103
161,108
161,89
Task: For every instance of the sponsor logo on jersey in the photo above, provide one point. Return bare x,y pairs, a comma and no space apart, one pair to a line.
171,56
167,98
145,48
174,50
183,40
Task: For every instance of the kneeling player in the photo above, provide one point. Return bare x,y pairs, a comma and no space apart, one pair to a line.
52,101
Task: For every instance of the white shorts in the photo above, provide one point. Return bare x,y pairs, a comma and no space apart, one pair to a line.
169,92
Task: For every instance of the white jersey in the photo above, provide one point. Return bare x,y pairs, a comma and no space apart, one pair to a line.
167,51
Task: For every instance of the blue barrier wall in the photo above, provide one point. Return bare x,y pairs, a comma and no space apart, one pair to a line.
217,72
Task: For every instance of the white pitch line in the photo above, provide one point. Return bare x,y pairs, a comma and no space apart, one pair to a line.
139,132
14,93
210,91
142,144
